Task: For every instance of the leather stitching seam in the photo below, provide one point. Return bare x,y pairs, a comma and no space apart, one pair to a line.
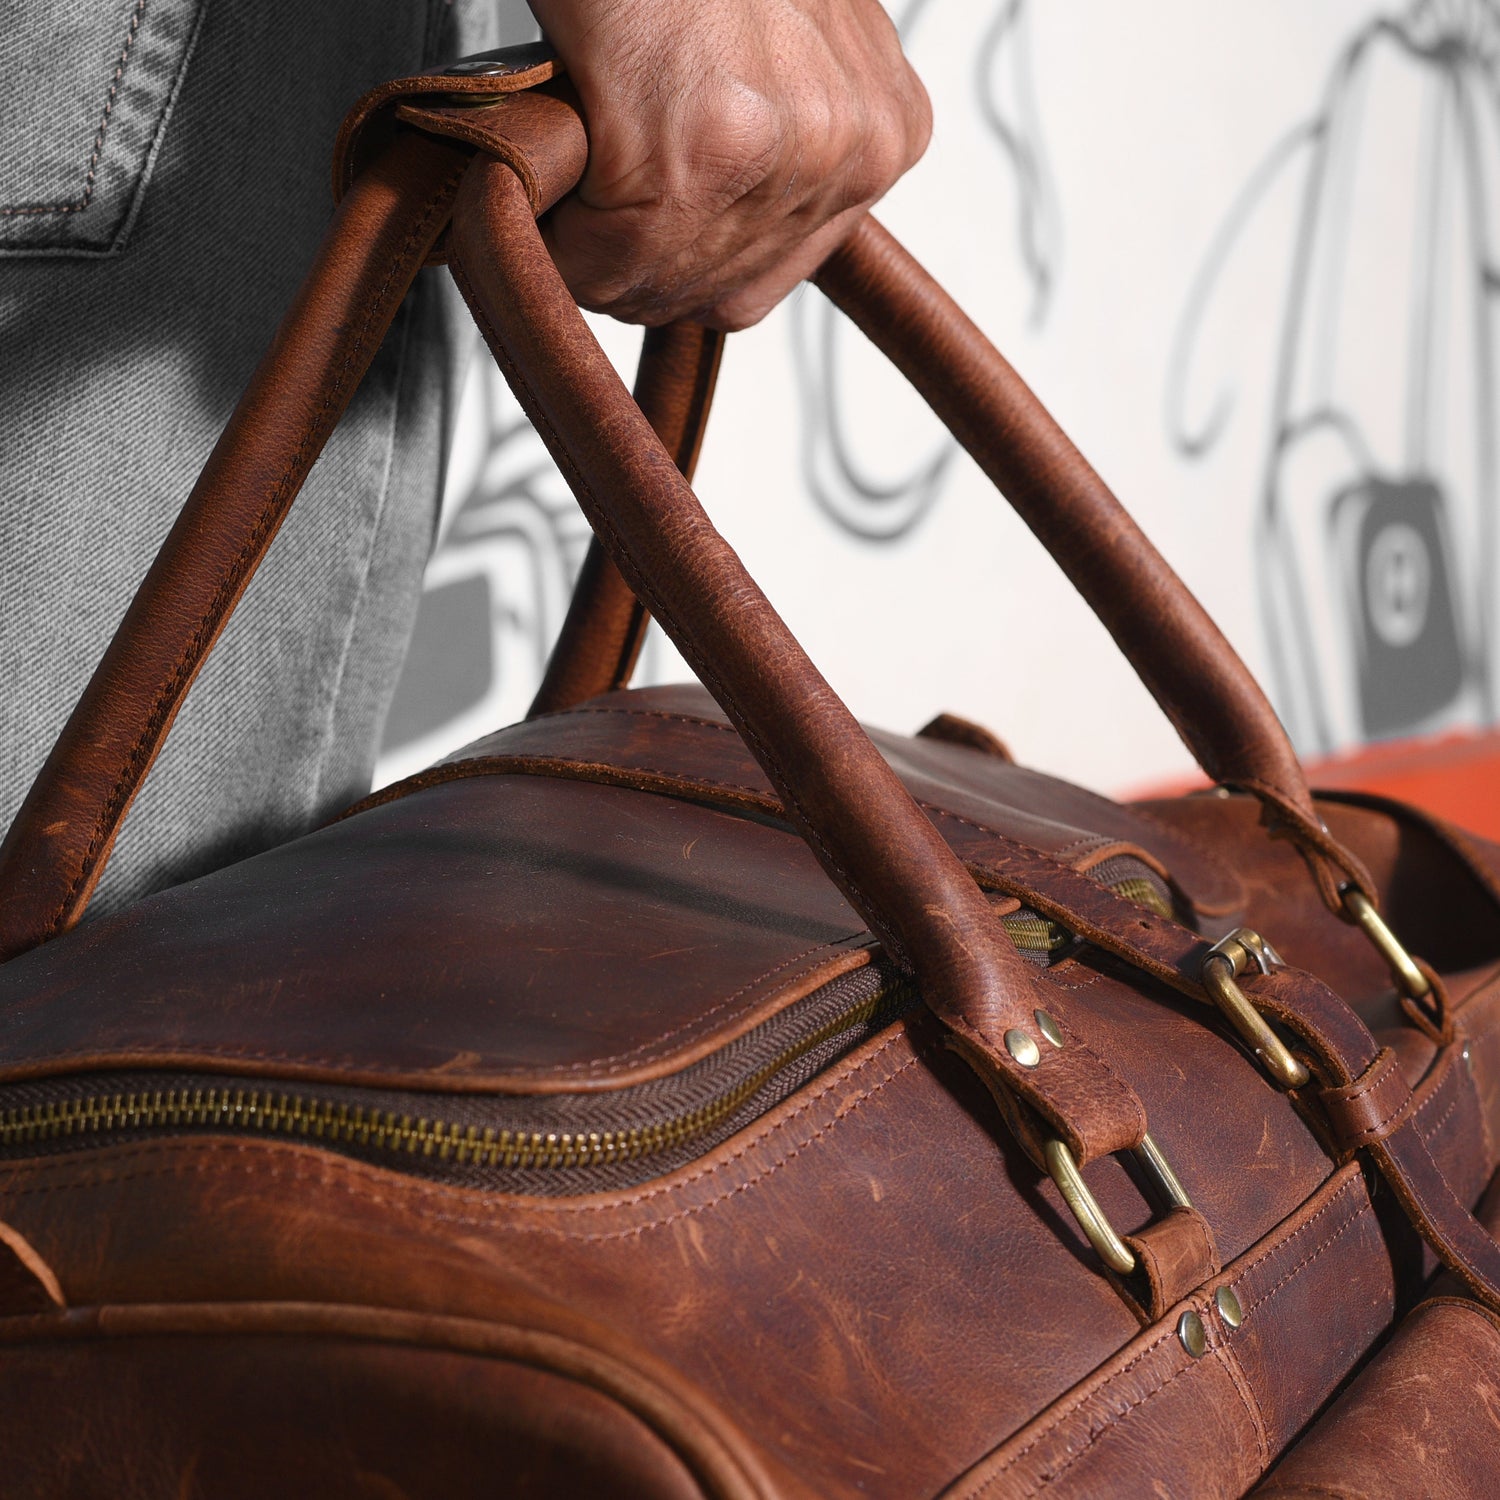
1301,1229
1381,1128
1326,1244
186,662
699,1019
1382,1067
1111,1424
1071,1409
1428,1131
1450,1252
1106,1423
1226,1353
642,713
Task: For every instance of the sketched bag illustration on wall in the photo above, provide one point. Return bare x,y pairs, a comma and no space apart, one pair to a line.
1377,519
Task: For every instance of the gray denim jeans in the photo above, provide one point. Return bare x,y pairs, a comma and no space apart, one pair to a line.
163,184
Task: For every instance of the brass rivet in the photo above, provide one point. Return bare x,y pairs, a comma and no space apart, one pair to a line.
1229,1307
1467,1058
1050,1029
1190,1331
1022,1047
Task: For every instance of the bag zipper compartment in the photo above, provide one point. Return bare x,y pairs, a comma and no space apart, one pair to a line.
550,1144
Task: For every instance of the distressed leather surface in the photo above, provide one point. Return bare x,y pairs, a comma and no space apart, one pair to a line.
1422,1419
871,1290
324,1416
685,926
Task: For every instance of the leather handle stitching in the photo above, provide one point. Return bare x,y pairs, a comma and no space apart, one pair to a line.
190,659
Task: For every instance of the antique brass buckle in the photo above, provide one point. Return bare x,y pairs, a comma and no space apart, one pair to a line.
1403,969
1230,957
1092,1219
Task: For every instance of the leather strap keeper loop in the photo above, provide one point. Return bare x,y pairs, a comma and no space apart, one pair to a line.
367,129
539,135
1175,1255
1371,1107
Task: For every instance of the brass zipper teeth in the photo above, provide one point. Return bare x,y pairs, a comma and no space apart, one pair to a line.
237,1107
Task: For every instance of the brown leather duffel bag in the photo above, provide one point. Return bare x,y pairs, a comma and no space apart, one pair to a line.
677,1097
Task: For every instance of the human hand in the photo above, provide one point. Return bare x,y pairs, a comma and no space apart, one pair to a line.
733,145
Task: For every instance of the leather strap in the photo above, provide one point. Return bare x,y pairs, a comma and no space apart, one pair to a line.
601,637
857,817
1372,1106
1198,679
1190,669
56,848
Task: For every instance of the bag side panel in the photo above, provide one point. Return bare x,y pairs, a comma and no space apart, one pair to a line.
239,1415
1422,1419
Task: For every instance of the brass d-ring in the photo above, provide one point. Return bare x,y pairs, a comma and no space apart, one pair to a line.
1092,1219
1403,968
1227,960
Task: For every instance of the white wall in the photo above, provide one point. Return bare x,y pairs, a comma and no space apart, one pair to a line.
1118,195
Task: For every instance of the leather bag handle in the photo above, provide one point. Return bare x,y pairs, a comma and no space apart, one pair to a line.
601,636
858,818
1196,677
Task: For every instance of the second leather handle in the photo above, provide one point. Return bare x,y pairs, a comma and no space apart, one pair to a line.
1194,674
1179,653
860,822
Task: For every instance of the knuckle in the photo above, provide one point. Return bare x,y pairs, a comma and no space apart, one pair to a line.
733,141
892,142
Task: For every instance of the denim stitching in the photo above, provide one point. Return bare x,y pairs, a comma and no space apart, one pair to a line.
82,203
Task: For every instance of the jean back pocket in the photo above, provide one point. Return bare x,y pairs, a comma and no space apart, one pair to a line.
88,90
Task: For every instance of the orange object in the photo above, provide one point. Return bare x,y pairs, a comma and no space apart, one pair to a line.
1455,775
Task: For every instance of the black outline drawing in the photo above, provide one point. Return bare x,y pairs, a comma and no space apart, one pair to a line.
1458,41
885,508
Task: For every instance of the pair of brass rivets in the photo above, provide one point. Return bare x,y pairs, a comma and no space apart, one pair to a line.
1190,1329
1022,1045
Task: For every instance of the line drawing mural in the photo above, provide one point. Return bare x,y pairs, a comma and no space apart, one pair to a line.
1375,538
865,497
497,586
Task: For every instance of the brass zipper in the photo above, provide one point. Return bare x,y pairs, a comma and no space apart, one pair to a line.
246,1107
510,1142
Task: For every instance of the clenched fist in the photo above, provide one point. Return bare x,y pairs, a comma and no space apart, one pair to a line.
733,144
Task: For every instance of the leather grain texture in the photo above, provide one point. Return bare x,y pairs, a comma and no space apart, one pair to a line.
872,1287
1423,1418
